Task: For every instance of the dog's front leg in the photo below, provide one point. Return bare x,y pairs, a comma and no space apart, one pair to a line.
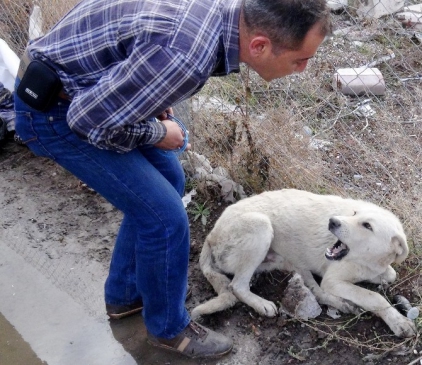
326,298
371,302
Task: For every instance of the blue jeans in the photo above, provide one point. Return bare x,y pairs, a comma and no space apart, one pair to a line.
151,254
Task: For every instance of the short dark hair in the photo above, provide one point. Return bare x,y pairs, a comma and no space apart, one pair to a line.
286,22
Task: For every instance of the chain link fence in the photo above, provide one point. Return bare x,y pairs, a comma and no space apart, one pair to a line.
351,124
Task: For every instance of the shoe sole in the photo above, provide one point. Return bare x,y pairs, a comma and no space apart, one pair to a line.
124,314
137,310
210,356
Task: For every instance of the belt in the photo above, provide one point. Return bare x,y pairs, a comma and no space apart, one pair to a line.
23,65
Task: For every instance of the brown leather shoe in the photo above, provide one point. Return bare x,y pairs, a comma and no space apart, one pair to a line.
122,311
195,341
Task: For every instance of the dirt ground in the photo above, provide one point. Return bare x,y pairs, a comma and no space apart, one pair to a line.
66,219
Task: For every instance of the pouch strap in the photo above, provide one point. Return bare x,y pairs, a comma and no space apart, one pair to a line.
23,65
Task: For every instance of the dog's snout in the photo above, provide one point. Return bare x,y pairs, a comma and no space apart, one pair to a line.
334,223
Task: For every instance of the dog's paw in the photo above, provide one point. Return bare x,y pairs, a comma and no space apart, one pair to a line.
196,313
265,308
404,328
400,325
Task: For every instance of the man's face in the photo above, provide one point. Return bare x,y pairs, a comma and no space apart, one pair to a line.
271,66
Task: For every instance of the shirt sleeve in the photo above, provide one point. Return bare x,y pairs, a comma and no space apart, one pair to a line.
116,113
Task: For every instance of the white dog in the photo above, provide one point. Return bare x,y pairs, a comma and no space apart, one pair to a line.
344,241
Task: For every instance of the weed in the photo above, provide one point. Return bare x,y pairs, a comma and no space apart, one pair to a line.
200,211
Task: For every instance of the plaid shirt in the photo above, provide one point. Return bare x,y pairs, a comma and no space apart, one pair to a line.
124,62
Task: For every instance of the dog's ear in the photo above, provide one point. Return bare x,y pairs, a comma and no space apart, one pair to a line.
401,248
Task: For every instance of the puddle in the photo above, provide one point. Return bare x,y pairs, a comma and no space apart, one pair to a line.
13,349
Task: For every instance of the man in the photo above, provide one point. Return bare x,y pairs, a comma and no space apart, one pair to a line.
122,63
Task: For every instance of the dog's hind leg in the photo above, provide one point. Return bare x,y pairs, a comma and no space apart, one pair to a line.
219,281
219,303
250,253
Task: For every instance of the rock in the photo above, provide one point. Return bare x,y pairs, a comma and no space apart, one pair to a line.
298,301
198,167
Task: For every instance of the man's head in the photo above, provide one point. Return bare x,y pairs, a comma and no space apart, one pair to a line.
277,37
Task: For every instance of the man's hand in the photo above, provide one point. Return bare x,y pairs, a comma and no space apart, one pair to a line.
163,115
174,138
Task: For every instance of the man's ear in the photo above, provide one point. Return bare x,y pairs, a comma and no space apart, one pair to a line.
259,45
401,248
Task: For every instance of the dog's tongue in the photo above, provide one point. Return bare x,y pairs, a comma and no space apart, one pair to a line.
335,250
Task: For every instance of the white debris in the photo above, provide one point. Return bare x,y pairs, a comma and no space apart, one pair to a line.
382,59
336,4
212,103
196,162
319,144
364,109
308,131
198,167
221,171
411,17
188,197
9,64
417,8
377,8
345,31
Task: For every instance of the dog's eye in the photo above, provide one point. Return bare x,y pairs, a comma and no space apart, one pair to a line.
354,213
367,226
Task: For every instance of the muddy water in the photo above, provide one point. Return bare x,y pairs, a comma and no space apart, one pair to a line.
13,348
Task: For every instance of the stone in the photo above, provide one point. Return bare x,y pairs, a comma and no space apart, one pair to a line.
298,301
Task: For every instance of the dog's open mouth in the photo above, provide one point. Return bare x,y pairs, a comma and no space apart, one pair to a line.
337,252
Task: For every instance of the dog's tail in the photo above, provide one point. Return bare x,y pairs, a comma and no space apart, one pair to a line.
219,281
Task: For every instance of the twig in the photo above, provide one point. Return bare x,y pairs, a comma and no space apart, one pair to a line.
417,78
331,127
366,125
377,344
415,361
265,91
410,122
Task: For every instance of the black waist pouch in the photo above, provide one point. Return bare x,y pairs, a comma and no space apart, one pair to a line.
39,86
